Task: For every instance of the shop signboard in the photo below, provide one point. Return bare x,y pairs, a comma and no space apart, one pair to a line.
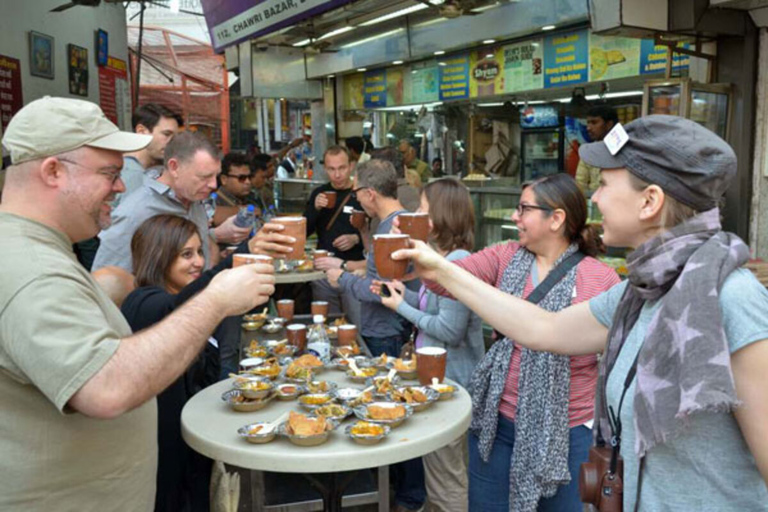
353,91
566,59
114,92
10,89
375,89
523,64
653,58
421,85
454,78
486,72
233,21
395,86
613,57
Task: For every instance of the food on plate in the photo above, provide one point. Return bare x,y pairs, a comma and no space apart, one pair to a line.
340,321
255,429
308,361
287,389
252,385
378,412
305,265
363,372
409,396
364,398
348,350
315,399
270,369
443,388
302,425
318,386
383,385
363,428
296,371
331,410
283,350
404,365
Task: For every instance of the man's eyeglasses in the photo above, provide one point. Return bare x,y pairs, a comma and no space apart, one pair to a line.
112,172
523,207
358,189
242,178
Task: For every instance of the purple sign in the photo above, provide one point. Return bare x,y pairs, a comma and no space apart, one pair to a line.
233,21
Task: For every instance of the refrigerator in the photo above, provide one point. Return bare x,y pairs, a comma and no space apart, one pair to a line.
541,142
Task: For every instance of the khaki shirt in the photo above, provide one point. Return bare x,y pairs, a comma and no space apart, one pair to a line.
57,330
587,177
421,167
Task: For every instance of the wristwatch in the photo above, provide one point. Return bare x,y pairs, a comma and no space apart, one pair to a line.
344,266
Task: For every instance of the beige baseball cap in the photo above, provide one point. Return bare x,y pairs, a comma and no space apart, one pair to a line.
51,126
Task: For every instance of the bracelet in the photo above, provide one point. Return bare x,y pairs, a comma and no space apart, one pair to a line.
344,266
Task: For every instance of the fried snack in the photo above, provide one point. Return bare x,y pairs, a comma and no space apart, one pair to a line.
270,368
365,372
383,385
308,361
348,350
409,396
404,365
340,321
296,371
377,412
364,398
282,350
301,425
363,428
253,385
331,410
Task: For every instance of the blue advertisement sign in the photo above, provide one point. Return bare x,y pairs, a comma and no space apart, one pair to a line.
566,59
653,59
375,89
539,116
454,78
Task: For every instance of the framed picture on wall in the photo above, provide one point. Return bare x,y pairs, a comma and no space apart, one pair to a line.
41,52
78,70
102,47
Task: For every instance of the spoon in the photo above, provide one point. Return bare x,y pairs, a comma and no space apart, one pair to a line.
391,374
353,366
269,427
435,381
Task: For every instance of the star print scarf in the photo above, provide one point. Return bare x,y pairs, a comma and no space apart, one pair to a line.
684,364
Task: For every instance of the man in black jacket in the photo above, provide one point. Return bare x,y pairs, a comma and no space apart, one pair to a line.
334,231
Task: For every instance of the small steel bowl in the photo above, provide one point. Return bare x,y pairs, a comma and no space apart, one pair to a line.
253,326
446,391
360,361
284,350
345,395
432,397
374,382
361,412
282,395
351,375
321,386
245,386
256,317
303,400
365,439
233,398
314,440
257,438
271,328
338,418
404,374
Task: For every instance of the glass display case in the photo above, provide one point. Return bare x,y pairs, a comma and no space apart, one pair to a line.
494,201
542,153
707,104
292,194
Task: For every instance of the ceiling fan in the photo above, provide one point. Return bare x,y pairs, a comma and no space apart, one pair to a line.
453,8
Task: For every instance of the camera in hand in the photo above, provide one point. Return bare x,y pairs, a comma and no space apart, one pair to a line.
598,485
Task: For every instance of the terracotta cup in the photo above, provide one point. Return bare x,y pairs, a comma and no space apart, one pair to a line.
285,309
320,253
297,336
416,225
331,197
383,247
430,364
347,334
319,307
357,219
297,228
245,259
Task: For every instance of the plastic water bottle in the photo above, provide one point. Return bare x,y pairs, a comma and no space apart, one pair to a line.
210,205
318,343
245,217
269,214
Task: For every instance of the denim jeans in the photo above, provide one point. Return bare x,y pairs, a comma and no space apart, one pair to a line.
489,481
390,345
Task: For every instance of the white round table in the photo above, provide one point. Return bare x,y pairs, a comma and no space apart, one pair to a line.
210,426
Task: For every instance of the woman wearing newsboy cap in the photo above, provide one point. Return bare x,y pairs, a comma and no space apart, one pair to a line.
684,339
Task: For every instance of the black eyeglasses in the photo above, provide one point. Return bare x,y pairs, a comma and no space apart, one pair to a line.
522,208
242,178
358,189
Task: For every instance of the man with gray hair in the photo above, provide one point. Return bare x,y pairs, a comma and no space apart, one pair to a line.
77,388
191,167
383,330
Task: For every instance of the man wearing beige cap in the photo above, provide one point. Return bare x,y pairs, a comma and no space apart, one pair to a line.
79,422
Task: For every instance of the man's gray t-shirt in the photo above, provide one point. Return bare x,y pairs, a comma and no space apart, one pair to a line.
153,198
709,467
132,175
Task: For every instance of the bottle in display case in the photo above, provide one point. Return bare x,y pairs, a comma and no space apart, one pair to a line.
707,104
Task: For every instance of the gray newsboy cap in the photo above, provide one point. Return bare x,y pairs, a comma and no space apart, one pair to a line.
688,161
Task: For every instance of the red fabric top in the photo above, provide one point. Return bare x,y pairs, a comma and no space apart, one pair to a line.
592,278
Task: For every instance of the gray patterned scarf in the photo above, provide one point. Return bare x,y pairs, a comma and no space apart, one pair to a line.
540,455
684,364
